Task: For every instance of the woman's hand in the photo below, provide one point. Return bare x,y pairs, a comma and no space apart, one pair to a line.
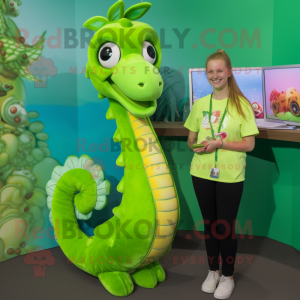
212,146
209,147
199,150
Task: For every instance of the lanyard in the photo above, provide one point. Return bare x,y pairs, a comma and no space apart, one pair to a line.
220,125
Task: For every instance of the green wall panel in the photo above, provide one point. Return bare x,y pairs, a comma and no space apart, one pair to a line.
271,200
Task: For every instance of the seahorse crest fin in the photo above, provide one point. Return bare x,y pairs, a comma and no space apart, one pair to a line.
121,187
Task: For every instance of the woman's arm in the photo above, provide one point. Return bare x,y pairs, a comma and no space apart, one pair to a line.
245,145
192,139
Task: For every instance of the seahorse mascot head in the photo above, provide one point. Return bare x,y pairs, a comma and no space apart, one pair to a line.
124,57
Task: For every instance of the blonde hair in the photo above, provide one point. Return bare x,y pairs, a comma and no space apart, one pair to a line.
234,91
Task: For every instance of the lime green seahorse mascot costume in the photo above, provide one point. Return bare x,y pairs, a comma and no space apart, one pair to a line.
123,61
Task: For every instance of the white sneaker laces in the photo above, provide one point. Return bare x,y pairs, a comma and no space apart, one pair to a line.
224,281
210,274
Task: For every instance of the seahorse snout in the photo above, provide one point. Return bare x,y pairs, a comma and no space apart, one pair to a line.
138,79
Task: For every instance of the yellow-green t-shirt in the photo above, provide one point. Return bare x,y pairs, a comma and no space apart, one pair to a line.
231,163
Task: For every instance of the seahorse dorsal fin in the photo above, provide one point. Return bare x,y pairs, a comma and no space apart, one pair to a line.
117,136
117,211
121,187
120,160
110,114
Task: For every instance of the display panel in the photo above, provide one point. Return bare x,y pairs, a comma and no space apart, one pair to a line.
281,93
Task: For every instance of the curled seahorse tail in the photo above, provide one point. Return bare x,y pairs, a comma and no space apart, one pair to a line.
74,191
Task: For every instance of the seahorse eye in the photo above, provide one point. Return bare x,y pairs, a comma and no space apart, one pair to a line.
109,55
149,52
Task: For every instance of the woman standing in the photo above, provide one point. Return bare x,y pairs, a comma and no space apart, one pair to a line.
224,123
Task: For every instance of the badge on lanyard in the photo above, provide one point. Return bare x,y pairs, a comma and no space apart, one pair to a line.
214,173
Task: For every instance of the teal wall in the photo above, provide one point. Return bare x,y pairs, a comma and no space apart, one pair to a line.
270,201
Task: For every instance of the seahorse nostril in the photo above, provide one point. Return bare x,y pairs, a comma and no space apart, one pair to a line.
141,84
160,83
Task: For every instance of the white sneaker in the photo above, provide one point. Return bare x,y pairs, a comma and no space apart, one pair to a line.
211,281
225,288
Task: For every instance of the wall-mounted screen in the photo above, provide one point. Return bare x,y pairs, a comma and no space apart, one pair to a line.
281,93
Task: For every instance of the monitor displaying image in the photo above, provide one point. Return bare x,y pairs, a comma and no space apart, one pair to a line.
249,81
281,88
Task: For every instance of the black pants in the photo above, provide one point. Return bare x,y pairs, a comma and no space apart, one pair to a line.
219,203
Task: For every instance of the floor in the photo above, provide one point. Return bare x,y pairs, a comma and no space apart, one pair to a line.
264,269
